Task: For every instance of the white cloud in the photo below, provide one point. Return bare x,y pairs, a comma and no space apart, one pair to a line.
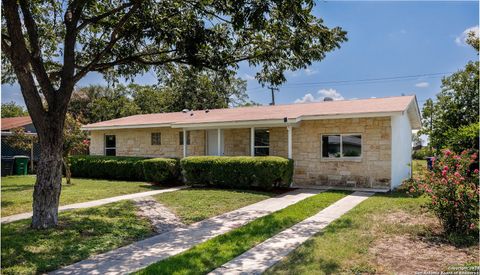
461,39
321,94
249,77
422,84
310,71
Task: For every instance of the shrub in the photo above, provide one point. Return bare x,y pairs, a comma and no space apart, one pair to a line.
123,168
238,172
452,187
160,169
105,167
465,137
422,153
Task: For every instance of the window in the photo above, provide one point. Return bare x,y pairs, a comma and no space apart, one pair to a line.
180,136
262,142
156,138
341,146
110,145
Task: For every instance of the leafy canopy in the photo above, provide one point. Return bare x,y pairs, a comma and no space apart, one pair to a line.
12,109
451,120
128,38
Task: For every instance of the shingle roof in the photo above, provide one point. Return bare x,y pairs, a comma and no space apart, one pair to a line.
15,122
259,113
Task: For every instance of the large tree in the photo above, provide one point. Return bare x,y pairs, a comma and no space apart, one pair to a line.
456,106
98,103
48,46
189,88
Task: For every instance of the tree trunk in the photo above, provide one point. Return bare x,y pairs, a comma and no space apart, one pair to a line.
49,174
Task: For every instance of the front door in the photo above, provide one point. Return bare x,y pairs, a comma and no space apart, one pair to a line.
212,143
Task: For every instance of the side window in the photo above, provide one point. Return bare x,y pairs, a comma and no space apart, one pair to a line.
351,145
180,136
110,145
331,146
156,138
262,142
341,146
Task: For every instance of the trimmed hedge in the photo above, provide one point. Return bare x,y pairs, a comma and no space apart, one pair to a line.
124,168
238,172
161,169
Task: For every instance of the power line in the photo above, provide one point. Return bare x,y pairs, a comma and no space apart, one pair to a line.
362,81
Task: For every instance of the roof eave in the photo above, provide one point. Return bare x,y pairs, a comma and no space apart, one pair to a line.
131,126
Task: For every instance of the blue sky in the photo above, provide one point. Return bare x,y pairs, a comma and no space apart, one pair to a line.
386,39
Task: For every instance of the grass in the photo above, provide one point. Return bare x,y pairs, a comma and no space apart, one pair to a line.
80,233
193,205
419,166
343,247
17,191
211,254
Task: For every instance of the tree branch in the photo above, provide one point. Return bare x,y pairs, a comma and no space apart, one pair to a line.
93,20
71,17
114,37
20,60
36,54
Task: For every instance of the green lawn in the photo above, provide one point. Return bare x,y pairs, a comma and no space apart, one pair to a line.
211,254
80,233
17,191
395,226
419,166
193,205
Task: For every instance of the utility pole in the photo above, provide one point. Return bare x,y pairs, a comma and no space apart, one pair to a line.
273,89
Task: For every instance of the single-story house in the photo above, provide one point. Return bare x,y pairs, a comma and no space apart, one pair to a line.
362,143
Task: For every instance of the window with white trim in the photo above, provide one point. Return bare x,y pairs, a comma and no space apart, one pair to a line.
262,142
342,146
180,137
110,145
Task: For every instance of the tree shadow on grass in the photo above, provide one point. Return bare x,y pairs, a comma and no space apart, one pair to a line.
78,235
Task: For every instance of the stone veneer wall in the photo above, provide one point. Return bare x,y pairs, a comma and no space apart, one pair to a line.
236,142
373,170
137,142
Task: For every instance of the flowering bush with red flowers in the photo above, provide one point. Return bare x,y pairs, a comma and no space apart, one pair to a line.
453,189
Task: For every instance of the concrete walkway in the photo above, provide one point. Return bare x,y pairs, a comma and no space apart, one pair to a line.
143,253
160,217
87,204
266,254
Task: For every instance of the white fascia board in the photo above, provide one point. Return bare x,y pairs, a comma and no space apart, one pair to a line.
416,123
135,126
341,116
8,133
235,124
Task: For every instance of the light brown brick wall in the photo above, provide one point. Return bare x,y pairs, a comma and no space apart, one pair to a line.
236,142
137,142
372,170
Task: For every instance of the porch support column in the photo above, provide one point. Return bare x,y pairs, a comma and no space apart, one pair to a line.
252,141
289,129
184,143
219,142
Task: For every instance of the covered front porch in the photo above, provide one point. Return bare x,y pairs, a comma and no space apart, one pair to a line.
258,140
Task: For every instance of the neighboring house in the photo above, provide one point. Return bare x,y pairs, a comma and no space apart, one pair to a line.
363,143
8,124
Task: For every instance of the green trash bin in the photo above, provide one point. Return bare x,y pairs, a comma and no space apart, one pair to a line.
21,165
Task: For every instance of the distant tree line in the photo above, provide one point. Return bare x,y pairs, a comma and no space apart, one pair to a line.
182,89
452,119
